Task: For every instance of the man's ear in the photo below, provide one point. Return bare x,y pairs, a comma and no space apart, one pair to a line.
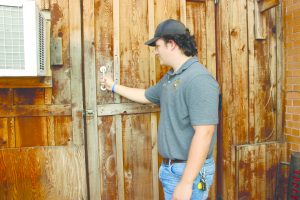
172,44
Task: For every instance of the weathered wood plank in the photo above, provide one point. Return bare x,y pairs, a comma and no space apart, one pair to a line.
26,82
120,158
7,133
105,46
50,119
211,38
267,4
182,4
196,22
43,173
164,9
227,152
275,153
91,99
280,73
6,97
117,98
61,74
35,110
265,85
63,130
252,65
117,55
260,26
126,108
29,96
239,59
137,156
31,131
153,116
134,62
108,158
48,96
271,101
51,131
76,72
251,171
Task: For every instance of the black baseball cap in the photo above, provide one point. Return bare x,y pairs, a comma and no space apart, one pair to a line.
167,27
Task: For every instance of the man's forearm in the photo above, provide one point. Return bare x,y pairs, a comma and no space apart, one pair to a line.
198,152
134,94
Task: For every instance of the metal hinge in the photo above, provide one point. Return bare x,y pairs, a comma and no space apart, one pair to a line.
88,112
216,2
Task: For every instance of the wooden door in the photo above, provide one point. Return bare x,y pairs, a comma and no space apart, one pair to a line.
121,135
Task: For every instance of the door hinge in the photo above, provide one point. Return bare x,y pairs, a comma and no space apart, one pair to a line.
88,112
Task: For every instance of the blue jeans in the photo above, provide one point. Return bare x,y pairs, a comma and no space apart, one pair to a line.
170,176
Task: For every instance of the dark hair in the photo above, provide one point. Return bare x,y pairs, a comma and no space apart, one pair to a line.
186,42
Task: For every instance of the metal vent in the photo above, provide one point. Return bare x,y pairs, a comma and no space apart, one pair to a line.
11,38
42,45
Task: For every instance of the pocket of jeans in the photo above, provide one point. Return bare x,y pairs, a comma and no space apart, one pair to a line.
177,169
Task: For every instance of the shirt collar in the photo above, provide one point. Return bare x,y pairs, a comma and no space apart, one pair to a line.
185,65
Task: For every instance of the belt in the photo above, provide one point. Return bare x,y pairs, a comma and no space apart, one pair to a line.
168,161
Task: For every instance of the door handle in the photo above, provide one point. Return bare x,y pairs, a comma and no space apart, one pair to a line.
103,71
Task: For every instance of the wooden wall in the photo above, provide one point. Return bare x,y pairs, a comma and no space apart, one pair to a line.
250,72
42,155
62,137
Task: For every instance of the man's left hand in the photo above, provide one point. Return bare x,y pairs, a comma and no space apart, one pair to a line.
183,191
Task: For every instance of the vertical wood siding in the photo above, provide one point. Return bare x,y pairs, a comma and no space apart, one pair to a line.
122,154
250,75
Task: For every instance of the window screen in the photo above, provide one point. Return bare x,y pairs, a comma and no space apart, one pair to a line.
11,38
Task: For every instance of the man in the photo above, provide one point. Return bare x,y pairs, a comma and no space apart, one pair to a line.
188,98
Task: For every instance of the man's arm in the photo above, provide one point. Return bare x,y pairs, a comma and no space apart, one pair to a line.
134,94
197,155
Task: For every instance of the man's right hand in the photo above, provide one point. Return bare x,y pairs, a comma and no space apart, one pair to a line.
108,82
134,94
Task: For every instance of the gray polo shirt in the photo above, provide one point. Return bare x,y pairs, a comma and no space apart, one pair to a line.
188,97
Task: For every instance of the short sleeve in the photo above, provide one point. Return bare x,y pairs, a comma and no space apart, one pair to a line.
153,93
202,97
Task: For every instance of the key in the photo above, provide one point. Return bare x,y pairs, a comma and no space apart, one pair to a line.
202,183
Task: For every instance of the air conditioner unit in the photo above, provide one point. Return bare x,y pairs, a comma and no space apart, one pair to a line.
24,39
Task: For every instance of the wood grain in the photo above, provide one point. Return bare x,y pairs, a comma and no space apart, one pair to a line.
35,110
61,74
164,9
29,96
126,108
76,72
104,45
251,172
43,173
228,157
31,131
137,156
26,82
267,4
196,22
7,133
107,157
134,59
90,99
265,85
